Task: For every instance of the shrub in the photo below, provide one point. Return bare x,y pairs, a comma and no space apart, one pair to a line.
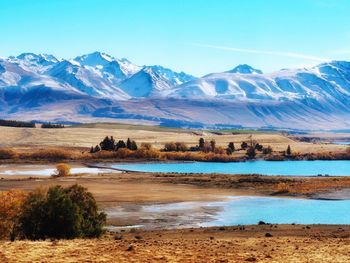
7,154
146,146
10,207
175,147
282,188
61,213
62,170
51,154
267,150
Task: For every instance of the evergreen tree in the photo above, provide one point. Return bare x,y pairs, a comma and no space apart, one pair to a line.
289,150
244,145
133,146
128,144
212,145
120,144
230,148
108,144
97,149
201,144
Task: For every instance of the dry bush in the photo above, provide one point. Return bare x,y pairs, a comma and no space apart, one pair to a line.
146,146
7,154
124,153
62,170
49,154
175,147
282,188
10,209
220,150
147,154
198,156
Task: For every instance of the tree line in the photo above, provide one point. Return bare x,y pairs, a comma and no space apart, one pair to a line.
110,144
13,123
29,124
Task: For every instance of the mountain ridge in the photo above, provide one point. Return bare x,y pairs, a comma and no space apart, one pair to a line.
97,85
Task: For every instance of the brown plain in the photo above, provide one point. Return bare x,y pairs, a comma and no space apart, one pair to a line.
91,134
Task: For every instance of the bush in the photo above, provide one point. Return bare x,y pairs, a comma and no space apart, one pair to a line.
62,170
10,207
7,154
51,154
146,146
175,147
61,213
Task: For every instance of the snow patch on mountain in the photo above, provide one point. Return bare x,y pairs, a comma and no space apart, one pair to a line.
154,81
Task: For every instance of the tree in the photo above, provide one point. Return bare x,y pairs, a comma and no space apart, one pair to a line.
258,147
212,145
288,151
128,143
10,208
108,144
251,151
133,146
230,148
120,144
62,170
267,150
201,144
244,145
97,149
61,213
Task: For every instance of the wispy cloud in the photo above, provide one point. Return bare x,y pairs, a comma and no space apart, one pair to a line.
341,52
263,52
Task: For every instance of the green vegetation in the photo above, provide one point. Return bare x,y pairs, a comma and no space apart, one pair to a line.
62,213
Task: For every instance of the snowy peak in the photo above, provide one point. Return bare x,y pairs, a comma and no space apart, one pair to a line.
154,81
245,69
114,69
94,59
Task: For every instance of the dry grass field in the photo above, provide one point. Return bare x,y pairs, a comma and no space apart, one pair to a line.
92,134
287,243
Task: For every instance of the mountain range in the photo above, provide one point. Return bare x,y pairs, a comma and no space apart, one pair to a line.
99,87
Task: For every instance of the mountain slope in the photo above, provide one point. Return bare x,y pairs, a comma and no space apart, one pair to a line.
97,86
153,81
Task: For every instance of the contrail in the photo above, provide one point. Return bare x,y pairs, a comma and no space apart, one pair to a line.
263,52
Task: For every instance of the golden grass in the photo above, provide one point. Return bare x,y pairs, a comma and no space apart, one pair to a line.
287,244
93,134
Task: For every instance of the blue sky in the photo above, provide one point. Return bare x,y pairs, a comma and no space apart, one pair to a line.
195,36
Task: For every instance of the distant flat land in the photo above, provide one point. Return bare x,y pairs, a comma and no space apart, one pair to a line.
87,135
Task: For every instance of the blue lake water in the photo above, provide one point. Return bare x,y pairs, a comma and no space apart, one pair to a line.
284,168
250,210
341,143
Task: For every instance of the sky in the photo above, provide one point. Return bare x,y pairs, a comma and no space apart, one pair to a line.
194,36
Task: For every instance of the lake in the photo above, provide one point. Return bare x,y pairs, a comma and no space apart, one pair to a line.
284,168
250,210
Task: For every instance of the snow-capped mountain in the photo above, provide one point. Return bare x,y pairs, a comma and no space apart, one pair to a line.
245,69
97,85
154,81
327,82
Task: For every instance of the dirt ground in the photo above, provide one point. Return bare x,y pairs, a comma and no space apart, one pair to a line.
89,135
284,244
